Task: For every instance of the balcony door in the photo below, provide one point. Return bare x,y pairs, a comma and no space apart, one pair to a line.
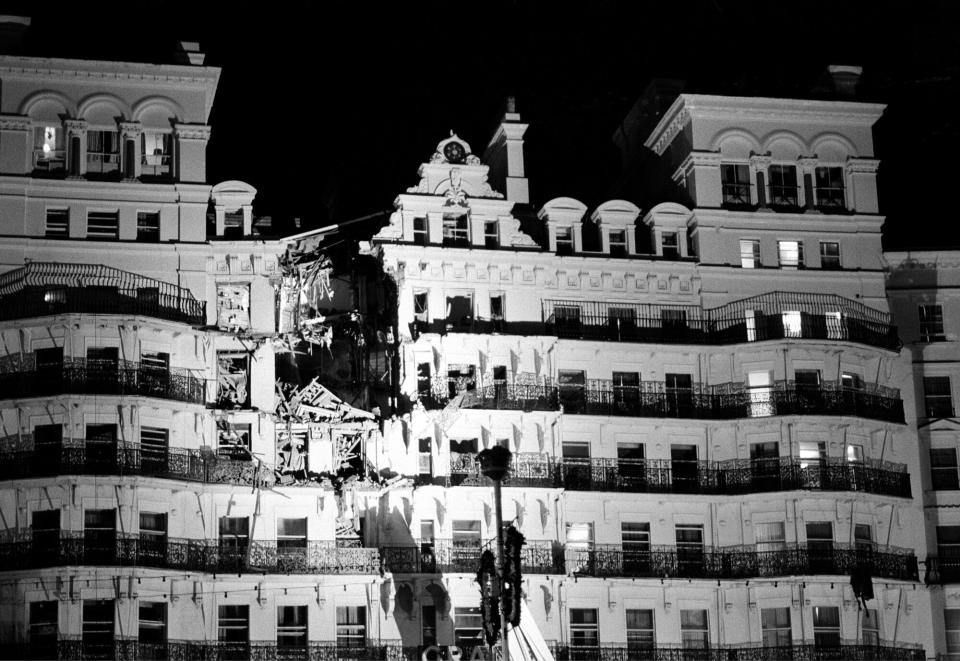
626,391
577,470
765,466
579,547
45,529
635,542
101,449
685,468
460,312
584,634
49,366
154,373
152,546
631,467
428,552
99,537
820,549
572,385
48,453
98,629
102,370
690,555
234,541
679,395
466,545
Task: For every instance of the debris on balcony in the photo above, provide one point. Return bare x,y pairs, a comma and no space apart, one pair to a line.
233,307
304,287
232,379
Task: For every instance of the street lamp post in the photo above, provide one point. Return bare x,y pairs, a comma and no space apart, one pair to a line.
494,463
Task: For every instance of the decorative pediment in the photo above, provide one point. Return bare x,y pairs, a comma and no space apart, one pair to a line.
454,151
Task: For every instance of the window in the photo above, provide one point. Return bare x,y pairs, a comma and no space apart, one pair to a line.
951,625
103,225
45,529
770,536
464,446
931,323
292,627
48,152
579,546
775,625
153,622
943,468
232,379
44,624
154,446
834,323
428,625
937,399
635,540
948,545
812,453
291,535
424,379
670,245
152,548
851,381
693,629
103,151
564,240
468,627
233,306
466,534
233,630
234,538
679,391
99,536
420,232
618,243
870,626
425,459
459,310
630,464
783,186
735,182
148,226
575,452
351,626
820,547
456,231
673,320
626,389
584,628
640,631
830,255
58,224
760,392
572,384
826,626
791,254
829,187
233,224
863,536
155,153
420,306
496,307
689,544
98,628
749,253
491,234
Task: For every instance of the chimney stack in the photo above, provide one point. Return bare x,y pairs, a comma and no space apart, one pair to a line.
504,156
188,52
12,31
845,79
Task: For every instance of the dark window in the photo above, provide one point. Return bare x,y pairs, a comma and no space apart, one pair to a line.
694,633
428,625
572,384
152,549
148,226
459,310
626,389
44,624
58,223
829,255
233,224
564,240
468,627
618,243
689,546
943,468
456,231
496,307
420,230
584,628
423,379
45,530
775,626
735,181
98,628
154,448
931,323
491,234
826,626
948,545
351,626
640,631
829,188
679,391
464,446
103,225
291,534
783,186
153,622
937,399
420,303
233,623
292,627
99,536
670,245
234,540
103,151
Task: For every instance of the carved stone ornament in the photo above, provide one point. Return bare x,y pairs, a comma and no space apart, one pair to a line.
669,133
192,131
455,151
14,123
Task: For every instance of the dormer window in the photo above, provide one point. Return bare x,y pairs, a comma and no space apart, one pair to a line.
103,152
564,240
735,181
233,224
456,231
830,188
491,234
670,245
48,151
156,154
783,186
618,243
420,230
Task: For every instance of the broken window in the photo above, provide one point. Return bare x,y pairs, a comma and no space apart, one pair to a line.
460,378
233,306
233,379
456,232
423,379
292,452
233,440
425,458
459,310
420,306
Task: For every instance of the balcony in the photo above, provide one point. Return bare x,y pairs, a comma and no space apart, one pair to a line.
116,549
843,650
771,316
833,558
126,460
445,556
79,376
501,397
46,288
730,401
527,469
480,327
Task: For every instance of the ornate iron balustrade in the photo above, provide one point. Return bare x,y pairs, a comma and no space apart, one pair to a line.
99,377
481,326
754,319
45,288
943,569
609,560
444,556
527,469
731,477
501,397
123,460
161,552
844,650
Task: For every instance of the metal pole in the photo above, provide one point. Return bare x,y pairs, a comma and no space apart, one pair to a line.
500,563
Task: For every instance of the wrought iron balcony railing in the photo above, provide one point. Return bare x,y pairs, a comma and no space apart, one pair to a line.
126,459
116,549
443,556
770,316
100,377
943,568
610,560
45,288
731,477
654,399
481,326
841,650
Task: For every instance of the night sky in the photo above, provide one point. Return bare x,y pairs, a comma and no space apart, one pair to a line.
328,108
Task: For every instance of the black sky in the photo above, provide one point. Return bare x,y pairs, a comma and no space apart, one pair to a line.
327,108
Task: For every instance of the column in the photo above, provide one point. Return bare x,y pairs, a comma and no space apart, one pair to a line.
807,166
759,166
130,149
76,130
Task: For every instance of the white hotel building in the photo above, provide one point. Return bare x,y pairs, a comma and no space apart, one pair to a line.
709,440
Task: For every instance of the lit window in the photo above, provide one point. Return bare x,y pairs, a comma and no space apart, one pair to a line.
58,223
693,629
155,154
812,453
937,398
792,323
829,255
735,180
760,391
791,254
749,253
830,188
943,469
48,152
103,225
783,186
931,323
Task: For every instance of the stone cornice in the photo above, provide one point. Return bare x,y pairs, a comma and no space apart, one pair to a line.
667,129
807,163
192,131
75,124
863,165
130,128
760,161
14,123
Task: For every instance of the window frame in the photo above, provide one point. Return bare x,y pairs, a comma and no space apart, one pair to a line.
732,192
931,322
830,262
826,196
59,215
99,230
784,260
780,185
752,261
938,396
944,476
